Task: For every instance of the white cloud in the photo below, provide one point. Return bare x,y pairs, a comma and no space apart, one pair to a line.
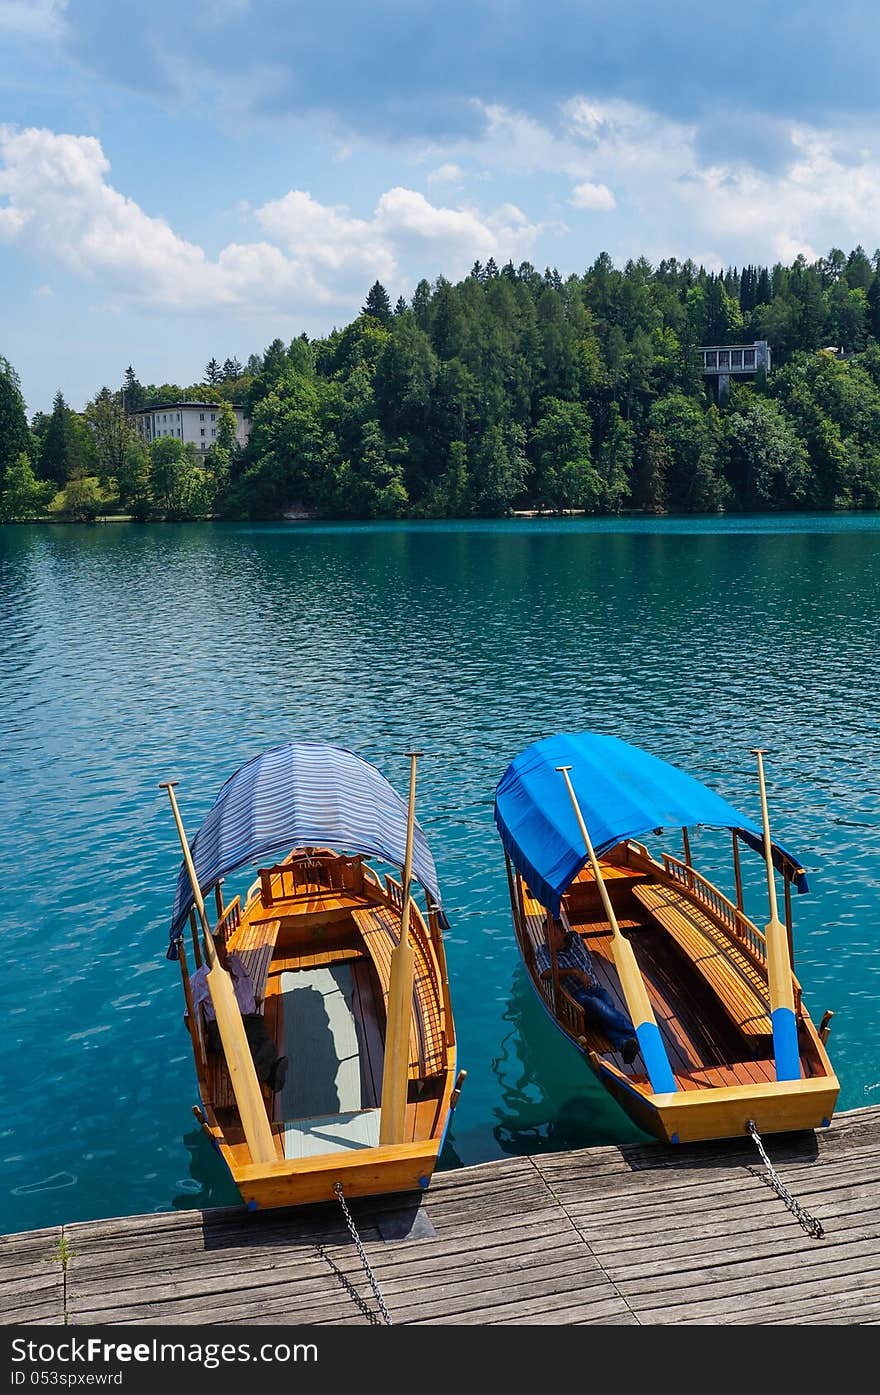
595,196
36,18
678,200
58,204
446,173
326,235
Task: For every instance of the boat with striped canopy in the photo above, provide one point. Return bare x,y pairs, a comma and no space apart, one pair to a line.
723,1038
347,971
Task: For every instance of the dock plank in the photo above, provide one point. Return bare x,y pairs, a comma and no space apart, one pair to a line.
641,1234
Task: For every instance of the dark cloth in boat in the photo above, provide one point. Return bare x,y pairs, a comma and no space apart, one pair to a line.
572,954
241,983
270,1067
575,963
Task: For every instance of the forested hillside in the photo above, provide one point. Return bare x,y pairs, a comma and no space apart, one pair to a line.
514,389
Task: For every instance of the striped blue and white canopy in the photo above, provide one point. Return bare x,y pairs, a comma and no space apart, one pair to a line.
305,794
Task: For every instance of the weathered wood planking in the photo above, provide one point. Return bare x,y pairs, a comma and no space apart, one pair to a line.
641,1234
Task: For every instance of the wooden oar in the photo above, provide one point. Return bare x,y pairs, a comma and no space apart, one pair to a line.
245,1086
786,1051
631,981
395,1072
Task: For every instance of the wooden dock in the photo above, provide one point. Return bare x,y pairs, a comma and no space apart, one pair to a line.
635,1235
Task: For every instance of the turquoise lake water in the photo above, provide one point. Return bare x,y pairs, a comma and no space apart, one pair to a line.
129,655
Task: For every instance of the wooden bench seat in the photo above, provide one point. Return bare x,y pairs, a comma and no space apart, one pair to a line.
254,944
736,982
380,928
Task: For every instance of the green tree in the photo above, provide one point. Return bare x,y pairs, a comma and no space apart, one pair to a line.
134,480
111,433
615,462
651,491
213,372
134,395
81,499
564,473
14,434
378,304
499,470
22,495
61,457
181,488
769,464
694,478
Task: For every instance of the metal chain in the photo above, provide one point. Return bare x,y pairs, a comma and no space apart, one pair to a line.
809,1223
374,1283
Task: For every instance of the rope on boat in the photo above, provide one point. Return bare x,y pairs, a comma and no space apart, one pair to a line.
809,1223
365,1308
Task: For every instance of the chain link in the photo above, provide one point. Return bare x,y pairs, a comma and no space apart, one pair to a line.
809,1223
374,1283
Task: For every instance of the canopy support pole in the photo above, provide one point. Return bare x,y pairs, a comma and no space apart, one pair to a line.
197,950
687,847
737,874
786,1051
788,925
395,1073
633,985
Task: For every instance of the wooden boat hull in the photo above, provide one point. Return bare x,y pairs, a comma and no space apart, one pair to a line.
724,1112
312,915
703,966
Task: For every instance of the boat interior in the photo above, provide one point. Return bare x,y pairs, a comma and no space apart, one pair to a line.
702,961
316,934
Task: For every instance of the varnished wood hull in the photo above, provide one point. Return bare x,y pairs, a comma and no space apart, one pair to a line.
701,962
346,917
725,1111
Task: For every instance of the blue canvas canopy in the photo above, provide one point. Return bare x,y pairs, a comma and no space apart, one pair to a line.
622,792
304,794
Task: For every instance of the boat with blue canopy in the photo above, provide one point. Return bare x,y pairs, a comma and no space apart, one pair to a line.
688,1013
317,999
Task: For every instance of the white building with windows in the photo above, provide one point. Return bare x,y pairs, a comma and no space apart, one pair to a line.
194,423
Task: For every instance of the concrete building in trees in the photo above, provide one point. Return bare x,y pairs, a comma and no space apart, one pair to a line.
194,423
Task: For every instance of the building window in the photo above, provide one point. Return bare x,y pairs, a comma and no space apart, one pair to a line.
203,431
204,445
748,358
213,416
711,359
178,416
213,432
201,416
724,358
736,358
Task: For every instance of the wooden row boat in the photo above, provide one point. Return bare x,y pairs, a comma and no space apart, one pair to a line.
725,1039
347,970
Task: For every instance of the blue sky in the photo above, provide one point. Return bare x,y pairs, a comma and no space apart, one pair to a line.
181,181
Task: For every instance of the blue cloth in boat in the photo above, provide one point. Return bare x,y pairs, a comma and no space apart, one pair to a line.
598,1005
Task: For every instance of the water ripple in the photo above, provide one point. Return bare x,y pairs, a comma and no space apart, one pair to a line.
130,655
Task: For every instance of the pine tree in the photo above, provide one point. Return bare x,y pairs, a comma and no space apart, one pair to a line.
60,458
14,434
133,395
378,304
213,372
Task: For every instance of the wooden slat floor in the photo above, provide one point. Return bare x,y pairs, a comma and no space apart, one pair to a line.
633,1235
